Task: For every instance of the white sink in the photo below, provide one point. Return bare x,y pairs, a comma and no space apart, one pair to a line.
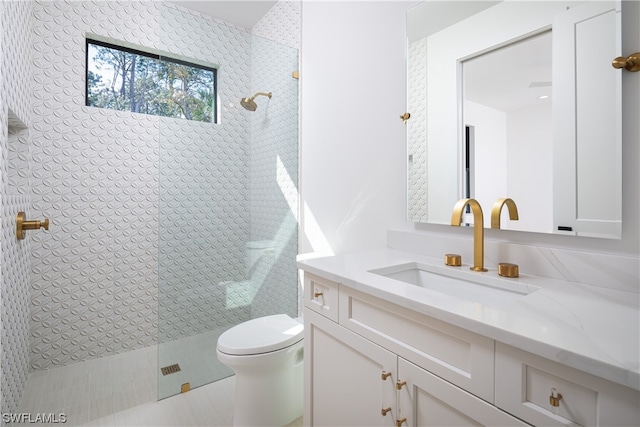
457,282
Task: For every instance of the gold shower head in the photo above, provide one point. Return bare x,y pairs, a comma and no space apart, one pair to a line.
250,104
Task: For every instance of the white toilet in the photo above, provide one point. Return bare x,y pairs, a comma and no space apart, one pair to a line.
266,355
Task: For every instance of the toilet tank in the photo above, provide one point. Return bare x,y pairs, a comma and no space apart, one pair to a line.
255,249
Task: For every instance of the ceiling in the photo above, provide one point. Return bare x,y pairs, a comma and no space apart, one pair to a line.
512,77
243,13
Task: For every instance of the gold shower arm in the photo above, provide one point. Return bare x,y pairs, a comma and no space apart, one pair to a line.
262,93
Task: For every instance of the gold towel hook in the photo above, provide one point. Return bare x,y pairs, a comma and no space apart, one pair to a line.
630,63
22,225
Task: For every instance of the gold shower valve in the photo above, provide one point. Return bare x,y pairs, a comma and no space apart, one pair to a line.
22,225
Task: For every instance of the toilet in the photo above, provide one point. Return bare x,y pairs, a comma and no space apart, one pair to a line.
266,355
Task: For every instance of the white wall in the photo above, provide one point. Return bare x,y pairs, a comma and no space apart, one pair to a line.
352,139
353,165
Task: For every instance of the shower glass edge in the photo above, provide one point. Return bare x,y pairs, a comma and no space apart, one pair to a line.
223,189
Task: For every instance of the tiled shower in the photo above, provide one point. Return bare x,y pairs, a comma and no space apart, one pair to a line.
150,217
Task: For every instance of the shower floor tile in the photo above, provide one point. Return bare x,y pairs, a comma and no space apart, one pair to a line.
95,388
104,389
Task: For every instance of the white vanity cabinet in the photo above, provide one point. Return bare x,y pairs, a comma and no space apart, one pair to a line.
525,383
349,381
369,362
428,400
359,379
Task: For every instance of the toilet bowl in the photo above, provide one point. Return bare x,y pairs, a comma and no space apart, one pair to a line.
266,356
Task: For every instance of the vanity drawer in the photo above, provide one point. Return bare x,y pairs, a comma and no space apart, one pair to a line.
524,384
454,354
321,296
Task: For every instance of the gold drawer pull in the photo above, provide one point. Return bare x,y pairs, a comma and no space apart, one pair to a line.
384,411
400,421
317,294
385,375
400,384
555,398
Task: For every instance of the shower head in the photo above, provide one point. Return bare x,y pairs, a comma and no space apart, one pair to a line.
250,104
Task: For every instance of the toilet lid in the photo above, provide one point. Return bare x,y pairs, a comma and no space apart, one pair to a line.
261,335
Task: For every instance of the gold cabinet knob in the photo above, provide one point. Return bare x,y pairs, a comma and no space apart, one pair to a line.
384,411
400,421
22,225
630,63
405,117
385,375
400,384
317,294
555,398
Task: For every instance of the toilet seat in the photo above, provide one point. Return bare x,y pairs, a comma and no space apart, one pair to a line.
261,335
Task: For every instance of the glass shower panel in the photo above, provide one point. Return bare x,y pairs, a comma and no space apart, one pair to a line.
228,202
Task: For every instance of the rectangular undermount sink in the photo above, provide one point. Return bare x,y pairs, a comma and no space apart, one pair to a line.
462,284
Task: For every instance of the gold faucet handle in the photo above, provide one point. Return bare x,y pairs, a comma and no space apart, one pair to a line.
453,260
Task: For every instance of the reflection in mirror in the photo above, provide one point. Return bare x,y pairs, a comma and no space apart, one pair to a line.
506,114
516,99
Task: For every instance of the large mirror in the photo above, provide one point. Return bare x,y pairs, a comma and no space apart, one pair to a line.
516,99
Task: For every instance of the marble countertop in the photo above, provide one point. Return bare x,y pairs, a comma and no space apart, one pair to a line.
592,329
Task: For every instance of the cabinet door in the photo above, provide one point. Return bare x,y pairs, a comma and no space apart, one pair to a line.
525,382
343,377
427,400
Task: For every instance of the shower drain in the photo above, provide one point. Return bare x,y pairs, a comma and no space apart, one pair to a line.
171,369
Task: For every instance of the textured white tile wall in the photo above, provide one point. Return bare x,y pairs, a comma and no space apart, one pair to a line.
281,24
88,287
417,130
135,200
274,157
15,136
274,175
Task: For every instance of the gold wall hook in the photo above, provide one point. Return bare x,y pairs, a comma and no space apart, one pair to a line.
630,63
405,117
22,225
497,209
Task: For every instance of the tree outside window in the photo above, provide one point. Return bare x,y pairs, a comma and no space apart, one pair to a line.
124,79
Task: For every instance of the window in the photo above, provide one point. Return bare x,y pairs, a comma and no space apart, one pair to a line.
125,79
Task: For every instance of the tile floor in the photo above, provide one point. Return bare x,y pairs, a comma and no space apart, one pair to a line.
122,390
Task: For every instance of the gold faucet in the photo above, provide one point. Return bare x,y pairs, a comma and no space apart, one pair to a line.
497,209
478,229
